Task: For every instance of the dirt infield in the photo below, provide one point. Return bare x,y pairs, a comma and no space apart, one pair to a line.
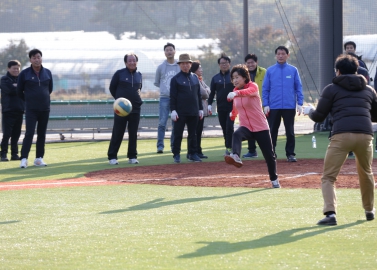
302,174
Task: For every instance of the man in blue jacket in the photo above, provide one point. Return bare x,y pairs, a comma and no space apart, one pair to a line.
12,108
34,87
281,93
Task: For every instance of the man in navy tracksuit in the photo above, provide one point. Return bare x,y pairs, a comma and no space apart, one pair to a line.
35,86
12,108
186,108
221,86
126,83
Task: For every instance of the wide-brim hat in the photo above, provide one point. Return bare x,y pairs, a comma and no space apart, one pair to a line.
184,58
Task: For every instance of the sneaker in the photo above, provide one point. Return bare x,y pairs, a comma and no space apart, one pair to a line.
23,163
370,214
251,155
351,154
160,151
133,161
15,157
233,159
4,158
177,159
227,152
375,150
39,162
275,183
291,158
328,220
113,161
194,158
202,156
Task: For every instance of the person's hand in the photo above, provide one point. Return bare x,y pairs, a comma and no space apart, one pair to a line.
231,96
174,116
231,116
308,109
299,109
266,110
201,114
210,109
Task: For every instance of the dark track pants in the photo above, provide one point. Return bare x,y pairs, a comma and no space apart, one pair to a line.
179,126
11,126
227,126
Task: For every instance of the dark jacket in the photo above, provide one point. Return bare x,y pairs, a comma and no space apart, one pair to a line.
10,102
350,102
35,90
221,86
185,97
128,85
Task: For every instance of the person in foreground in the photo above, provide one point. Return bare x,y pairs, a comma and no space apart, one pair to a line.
353,106
253,122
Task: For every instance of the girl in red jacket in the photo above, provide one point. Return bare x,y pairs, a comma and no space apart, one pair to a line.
253,122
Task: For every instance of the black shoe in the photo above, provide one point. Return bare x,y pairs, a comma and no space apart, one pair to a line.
330,221
194,158
291,158
177,159
15,157
351,154
160,151
370,214
4,158
202,156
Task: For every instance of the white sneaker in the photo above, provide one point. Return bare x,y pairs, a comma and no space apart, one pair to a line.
113,162
39,162
23,163
133,161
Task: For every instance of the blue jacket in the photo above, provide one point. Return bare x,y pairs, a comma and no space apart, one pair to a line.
185,97
35,90
221,86
10,102
128,85
282,87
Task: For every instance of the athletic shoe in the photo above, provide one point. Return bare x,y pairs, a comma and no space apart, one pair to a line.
233,159
160,151
351,154
23,163
4,158
133,161
202,156
177,159
275,183
113,161
194,158
291,158
328,220
370,214
251,155
39,162
15,157
375,150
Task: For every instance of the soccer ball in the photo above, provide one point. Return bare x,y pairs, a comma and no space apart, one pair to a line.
122,107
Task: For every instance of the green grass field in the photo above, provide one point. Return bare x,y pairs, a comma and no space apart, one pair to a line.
165,227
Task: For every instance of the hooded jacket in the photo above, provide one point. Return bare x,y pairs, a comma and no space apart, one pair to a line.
164,73
10,102
351,102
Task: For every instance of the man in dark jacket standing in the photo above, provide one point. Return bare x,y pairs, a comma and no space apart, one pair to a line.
186,108
35,86
352,104
126,83
221,86
12,108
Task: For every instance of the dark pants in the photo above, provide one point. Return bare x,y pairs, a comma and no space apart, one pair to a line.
12,123
179,126
274,120
227,126
34,119
252,147
199,131
131,121
265,144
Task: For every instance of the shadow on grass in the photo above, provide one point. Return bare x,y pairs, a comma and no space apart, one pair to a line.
9,222
157,203
280,238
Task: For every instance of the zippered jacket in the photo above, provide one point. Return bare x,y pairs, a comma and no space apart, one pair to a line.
221,86
127,84
282,88
10,102
185,97
35,90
